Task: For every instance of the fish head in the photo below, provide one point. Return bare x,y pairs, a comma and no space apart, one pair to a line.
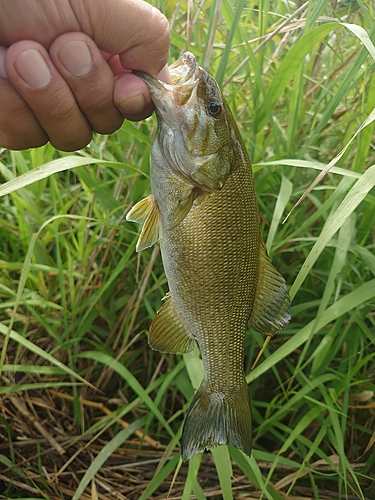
194,133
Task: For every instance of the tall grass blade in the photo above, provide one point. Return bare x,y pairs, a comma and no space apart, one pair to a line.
224,470
104,454
53,167
333,224
131,380
333,162
355,298
289,67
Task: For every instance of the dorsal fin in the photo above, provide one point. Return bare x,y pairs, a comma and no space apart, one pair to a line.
271,310
146,212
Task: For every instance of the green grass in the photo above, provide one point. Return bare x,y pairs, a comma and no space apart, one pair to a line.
76,300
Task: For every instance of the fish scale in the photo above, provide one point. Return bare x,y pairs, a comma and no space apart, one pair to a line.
203,209
219,302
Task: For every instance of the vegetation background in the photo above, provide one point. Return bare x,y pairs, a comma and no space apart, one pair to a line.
87,409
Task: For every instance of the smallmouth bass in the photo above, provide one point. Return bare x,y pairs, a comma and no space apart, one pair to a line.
203,208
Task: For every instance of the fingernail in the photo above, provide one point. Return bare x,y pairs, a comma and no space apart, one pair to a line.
33,69
76,58
3,73
164,75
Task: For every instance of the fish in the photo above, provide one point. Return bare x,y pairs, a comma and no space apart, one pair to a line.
203,209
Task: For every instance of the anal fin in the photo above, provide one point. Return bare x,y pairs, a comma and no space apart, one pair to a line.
168,333
271,310
146,212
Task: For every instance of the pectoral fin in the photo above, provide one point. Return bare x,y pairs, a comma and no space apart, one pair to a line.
146,212
168,333
183,207
271,310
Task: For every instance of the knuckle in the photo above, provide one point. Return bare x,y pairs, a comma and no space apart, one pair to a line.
99,110
96,98
61,107
66,126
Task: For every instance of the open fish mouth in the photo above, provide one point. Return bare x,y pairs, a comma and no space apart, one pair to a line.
184,70
185,75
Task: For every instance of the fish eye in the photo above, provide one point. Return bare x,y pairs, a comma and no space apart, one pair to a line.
215,108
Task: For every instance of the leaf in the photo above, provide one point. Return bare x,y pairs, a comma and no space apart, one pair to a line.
250,467
234,24
224,470
348,302
285,192
105,454
130,379
52,167
333,224
159,477
333,162
32,387
21,286
306,164
191,478
362,35
194,366
39,352
288,68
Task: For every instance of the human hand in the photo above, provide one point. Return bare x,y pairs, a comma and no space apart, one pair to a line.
55,83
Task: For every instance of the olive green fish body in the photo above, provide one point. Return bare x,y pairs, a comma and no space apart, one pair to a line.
203,208
212,269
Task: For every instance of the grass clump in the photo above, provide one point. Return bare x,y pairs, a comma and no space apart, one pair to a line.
76,301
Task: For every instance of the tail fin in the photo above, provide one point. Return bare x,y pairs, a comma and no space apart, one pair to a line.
216,418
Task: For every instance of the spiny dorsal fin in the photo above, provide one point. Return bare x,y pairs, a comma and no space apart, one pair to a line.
168,333
146,212
271,311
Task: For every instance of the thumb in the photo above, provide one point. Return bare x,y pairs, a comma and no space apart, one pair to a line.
133,29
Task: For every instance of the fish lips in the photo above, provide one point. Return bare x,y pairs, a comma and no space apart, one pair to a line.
169,99
159,90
